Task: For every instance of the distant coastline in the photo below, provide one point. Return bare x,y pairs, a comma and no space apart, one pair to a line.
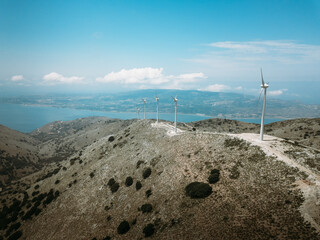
26,118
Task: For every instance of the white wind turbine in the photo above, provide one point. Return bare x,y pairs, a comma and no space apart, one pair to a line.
144,106
138,112
175,99
264,87
157,100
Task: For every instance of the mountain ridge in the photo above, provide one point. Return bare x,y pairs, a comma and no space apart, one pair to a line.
131,184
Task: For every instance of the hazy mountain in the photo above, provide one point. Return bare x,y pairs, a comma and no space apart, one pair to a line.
137,179
217,104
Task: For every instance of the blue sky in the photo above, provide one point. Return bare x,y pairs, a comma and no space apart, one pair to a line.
95,46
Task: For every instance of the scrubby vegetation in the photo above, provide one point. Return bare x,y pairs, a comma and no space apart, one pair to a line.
148,193
49,174
113,185
139,163
111,139
146,173
138,185
198,190
15,235
214,176
149,230
235,142
123,227
146,208
129,181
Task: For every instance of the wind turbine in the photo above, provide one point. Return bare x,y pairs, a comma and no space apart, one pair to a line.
157,100
175,99
138,112
144,106
264,87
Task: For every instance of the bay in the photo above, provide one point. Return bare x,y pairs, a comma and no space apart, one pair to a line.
25,118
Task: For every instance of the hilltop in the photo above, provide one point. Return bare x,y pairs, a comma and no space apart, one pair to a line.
140,179
304,131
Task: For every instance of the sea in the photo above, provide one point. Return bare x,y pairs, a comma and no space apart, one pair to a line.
26,118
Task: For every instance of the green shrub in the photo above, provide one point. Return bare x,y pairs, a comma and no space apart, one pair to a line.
139,163
146,208
35,193
129,181
111,139
148,193
148,230
123,227
138,185
12,228
114,188
198,190
146,173
111,182
214,176
15,235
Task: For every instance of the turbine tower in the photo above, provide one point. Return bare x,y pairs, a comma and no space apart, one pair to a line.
175,99
138,112
144,106
157,100
264,87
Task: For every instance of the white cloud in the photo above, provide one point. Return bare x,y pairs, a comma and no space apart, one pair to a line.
190,77
277,47
277,92
134,76
147,77
55,78
217,88
238,88
240,46
17,78
241,61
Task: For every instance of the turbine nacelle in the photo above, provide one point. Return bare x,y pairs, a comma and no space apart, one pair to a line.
175,99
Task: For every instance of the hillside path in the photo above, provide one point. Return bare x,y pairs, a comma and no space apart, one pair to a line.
274,146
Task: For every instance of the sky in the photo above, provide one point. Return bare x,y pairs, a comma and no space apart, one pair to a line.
121,45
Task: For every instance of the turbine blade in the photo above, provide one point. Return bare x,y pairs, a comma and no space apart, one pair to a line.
262,78
260,96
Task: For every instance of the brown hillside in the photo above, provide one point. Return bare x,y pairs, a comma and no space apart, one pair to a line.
146,181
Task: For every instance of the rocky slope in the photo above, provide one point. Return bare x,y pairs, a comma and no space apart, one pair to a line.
22,154
304,131
18,155
60,140
146,181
